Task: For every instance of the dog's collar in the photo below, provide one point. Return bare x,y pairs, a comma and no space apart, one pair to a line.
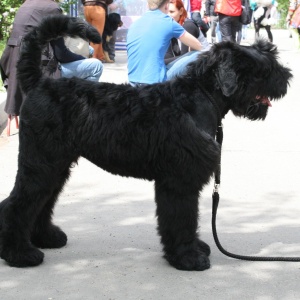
214,103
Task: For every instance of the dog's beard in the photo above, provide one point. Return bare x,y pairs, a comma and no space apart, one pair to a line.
257,111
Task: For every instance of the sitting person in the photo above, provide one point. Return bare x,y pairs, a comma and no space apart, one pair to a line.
148,39
75,65
294,5
179,14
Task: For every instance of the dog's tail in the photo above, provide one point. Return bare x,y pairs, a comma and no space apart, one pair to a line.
29,71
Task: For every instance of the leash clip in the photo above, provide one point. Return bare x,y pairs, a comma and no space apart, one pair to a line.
216,188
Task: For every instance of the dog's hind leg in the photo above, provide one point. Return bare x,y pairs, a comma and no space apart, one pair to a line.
44,233
22,213
177,214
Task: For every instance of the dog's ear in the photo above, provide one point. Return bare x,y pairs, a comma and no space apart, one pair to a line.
226,78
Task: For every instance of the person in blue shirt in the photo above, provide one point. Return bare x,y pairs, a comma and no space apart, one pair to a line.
148,39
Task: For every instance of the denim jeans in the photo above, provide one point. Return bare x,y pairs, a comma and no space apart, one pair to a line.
196,17
89,69
178,66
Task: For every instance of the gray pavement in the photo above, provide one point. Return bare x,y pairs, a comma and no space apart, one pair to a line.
113,251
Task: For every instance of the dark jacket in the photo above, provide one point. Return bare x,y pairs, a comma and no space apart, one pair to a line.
174,50
29,15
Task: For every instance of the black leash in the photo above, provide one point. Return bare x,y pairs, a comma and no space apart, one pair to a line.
216,199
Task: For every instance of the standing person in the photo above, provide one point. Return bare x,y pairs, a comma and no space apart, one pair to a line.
115,7
293,5
30,13
212,18
229,12
95,12
196,6
148,39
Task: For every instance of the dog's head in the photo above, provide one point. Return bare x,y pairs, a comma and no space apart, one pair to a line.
114,21
247,77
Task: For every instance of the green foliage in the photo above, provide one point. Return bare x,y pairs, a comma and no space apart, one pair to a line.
8,10
65,5
282,8
2,46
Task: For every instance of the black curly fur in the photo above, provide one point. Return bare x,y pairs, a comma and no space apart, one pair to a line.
163,132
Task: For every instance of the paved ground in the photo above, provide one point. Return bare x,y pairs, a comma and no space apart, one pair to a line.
113,250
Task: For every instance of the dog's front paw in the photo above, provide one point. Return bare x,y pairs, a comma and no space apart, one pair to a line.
51,237
192,260
202,246
22,257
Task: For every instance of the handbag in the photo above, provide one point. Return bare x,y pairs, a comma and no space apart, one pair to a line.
77,45
246,16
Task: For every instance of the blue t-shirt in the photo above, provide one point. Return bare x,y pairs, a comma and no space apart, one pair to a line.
148,39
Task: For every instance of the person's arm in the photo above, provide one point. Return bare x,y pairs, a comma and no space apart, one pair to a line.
62,53
190,41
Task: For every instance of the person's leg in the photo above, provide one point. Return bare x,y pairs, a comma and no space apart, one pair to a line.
196,17
178,66
171,64
256,27
89,69
239,34
270,35
205,44
244,31
225,28
218,32
236,28
95,15
111,46
213,28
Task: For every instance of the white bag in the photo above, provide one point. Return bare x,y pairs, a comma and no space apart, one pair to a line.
78,46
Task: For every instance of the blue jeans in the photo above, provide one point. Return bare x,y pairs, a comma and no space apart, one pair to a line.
178,66
196,17
89,69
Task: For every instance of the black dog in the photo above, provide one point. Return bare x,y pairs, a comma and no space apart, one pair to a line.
163,132
112,23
